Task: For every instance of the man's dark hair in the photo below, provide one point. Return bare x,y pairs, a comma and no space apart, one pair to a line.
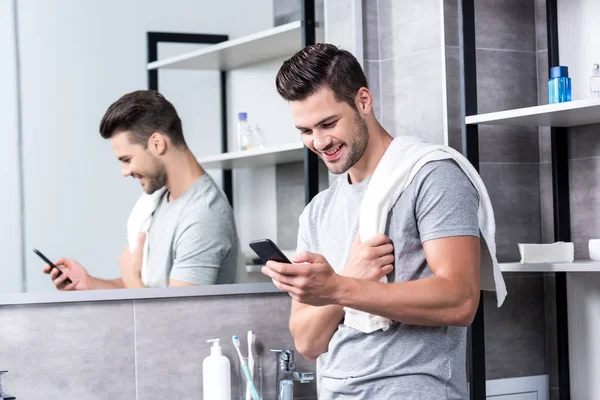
321,65
142,113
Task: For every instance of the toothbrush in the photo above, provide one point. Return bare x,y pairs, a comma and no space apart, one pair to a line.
251,341
236,344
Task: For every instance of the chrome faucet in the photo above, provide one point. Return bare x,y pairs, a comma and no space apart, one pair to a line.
4,396
287,375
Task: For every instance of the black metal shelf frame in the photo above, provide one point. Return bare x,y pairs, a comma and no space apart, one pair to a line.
311,173
560,190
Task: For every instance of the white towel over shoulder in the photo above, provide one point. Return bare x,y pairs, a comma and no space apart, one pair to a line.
403,159
139,221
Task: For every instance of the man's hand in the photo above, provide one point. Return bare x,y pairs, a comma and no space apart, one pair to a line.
312,281
370,260
131,264
70,269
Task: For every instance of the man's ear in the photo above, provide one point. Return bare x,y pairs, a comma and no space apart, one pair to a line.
364,101
157,143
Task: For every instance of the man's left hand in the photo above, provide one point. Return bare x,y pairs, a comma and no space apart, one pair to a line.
131,264
311,280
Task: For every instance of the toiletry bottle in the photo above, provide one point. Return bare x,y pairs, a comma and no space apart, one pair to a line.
559,85
595,81
216,374
243,130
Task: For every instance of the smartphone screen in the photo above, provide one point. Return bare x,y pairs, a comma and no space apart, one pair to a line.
268,251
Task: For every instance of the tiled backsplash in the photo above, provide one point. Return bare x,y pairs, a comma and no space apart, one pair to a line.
137,350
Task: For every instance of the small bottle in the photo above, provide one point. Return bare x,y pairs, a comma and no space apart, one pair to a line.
559,85
259,138
242,131
216,374
595,81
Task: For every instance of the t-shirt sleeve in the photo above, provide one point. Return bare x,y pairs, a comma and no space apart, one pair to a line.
201,248
446,203
303,232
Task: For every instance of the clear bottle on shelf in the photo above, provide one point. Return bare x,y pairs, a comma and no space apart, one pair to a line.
595,81
258,140
244,135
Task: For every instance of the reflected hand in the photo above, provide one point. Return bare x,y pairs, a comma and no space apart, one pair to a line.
70,269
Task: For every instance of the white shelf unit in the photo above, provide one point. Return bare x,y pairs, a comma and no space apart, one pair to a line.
271,155
576,266
568,114
281,41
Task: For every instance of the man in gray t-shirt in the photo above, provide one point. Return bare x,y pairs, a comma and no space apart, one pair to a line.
192,238
429,252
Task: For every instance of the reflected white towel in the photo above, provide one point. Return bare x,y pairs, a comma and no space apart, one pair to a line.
403,159
139,221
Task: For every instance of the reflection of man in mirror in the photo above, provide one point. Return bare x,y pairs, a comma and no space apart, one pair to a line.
412,342
191,236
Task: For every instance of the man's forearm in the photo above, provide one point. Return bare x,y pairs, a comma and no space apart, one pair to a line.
313,327
97,283
434,301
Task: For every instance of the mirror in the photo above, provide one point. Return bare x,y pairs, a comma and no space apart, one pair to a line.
63,189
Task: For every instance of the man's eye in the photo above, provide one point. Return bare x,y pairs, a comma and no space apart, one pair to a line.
329,125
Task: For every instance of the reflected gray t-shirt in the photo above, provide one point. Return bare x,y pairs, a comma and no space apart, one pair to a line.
193,238
405,362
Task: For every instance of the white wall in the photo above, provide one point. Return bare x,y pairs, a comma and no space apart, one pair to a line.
10,227
77,57
578,33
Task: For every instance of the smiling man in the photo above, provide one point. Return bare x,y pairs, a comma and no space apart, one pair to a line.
192,238
430,251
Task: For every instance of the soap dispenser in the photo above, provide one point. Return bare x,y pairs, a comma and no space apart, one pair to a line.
216,374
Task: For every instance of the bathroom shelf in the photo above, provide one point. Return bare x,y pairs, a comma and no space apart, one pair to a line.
271,155
576,266
281,41
572,113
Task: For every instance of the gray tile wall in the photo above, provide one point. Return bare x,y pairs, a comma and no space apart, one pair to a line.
509,165
410,72
137,350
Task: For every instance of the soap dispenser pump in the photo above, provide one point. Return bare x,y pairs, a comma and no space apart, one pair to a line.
216,374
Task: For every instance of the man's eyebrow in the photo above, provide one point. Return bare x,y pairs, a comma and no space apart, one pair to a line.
324,120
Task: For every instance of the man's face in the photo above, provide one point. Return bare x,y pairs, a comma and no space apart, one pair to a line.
139,163
331,129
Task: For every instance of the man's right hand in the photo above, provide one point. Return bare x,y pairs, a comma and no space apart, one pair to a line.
370,260
80,279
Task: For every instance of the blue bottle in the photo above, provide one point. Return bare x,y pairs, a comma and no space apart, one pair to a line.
559,85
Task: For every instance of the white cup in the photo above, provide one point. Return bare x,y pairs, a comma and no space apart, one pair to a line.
594,247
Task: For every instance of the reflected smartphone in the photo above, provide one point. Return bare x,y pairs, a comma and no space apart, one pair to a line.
43,257
268,251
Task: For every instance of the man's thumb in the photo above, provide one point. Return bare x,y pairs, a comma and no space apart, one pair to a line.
140,241
307,257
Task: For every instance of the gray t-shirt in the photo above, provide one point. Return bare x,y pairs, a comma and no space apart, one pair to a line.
406,361
193,238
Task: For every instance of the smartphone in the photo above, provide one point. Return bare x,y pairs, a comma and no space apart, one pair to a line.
268,251
43,257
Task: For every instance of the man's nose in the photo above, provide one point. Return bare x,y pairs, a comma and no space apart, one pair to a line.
321,141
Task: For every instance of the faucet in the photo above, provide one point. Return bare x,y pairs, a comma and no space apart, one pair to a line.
287,375
4,396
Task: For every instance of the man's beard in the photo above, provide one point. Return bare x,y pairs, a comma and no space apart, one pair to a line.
356,149
156,180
